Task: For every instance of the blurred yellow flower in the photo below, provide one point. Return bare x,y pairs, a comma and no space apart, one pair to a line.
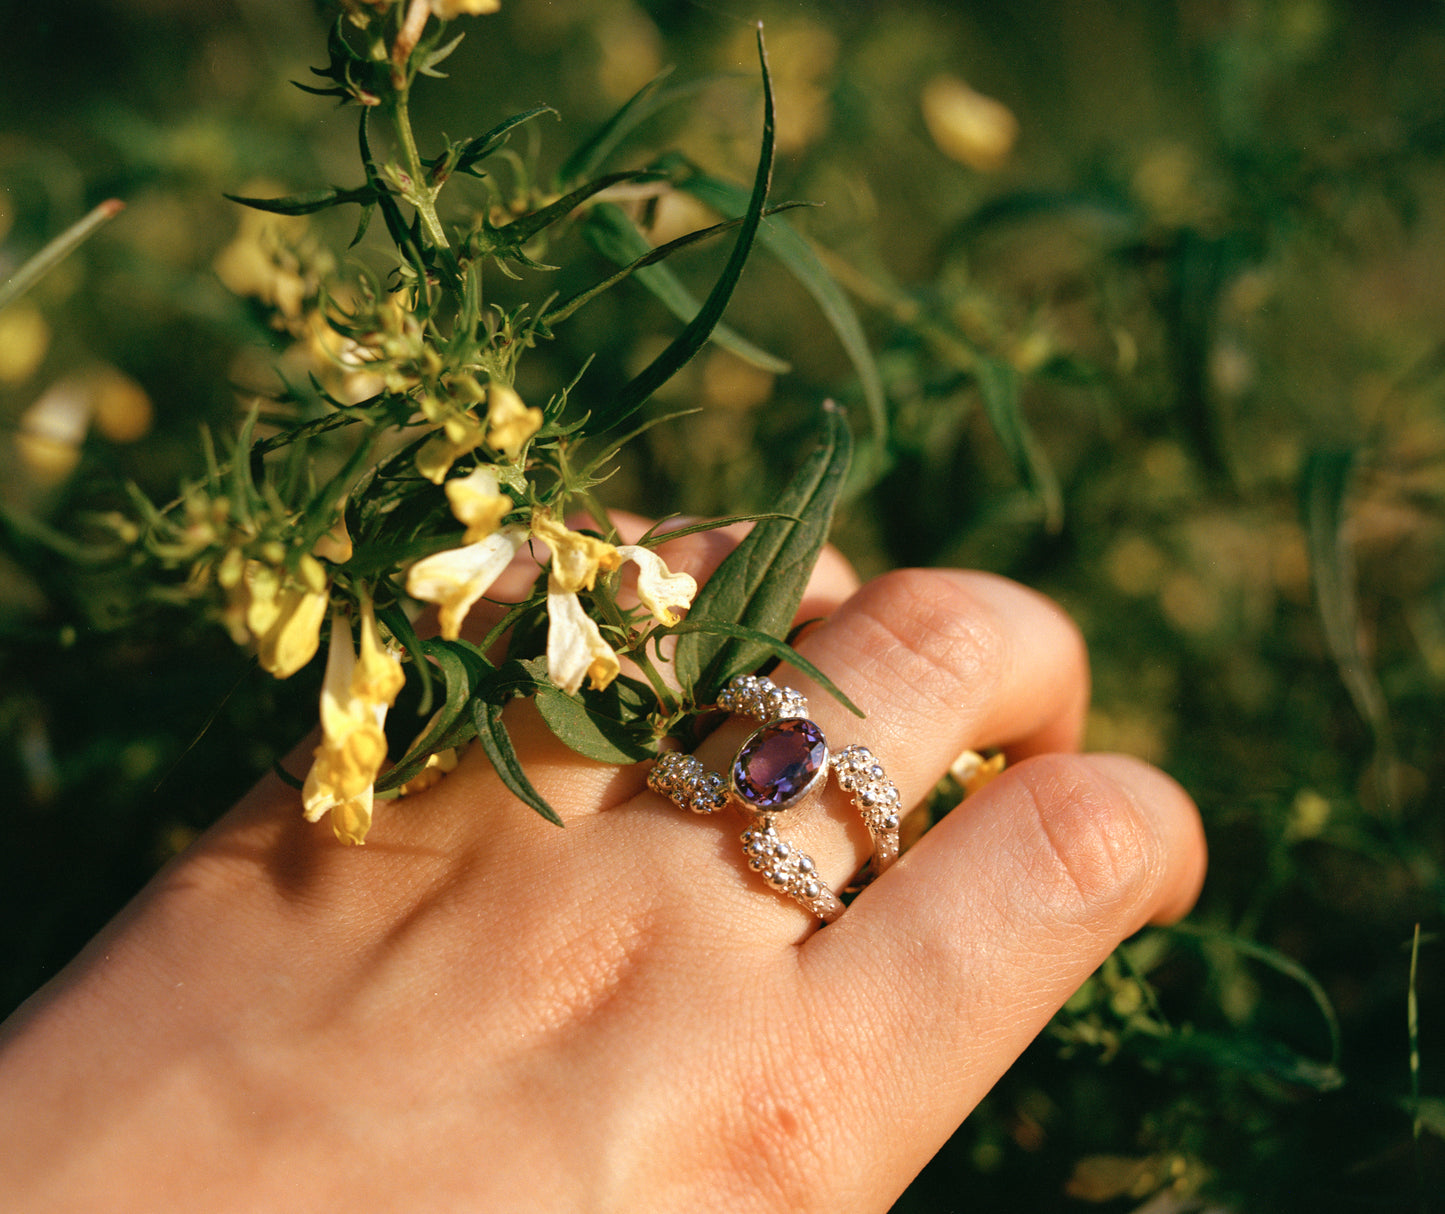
967,126
658,587
445,10
355,697
24,339
510,423
576,558
575,648
478,502
457,578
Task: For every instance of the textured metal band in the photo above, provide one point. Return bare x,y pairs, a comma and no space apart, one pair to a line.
684,781
689,785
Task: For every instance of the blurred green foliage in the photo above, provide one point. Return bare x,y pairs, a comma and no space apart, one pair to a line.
1175,357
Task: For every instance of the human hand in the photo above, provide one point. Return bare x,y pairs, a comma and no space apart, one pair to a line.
480,1011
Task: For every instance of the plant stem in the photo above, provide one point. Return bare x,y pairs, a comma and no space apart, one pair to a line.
422,197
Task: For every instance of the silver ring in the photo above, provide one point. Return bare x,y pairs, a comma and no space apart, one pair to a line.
782,764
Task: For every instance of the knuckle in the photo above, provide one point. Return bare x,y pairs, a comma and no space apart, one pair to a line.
1094,853
932,634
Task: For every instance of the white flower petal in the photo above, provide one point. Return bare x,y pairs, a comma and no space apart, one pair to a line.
575,648
457,578
658,587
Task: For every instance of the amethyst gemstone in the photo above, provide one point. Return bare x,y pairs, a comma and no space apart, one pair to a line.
779,764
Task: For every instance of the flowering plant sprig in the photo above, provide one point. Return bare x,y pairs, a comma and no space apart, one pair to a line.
411,471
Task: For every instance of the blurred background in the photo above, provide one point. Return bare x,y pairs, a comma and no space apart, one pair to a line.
1155,291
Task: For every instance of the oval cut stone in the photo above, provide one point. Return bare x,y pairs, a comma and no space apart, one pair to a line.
780,763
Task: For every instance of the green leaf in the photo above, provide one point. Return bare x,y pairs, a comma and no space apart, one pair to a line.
641,105
1281,964
310,202
609,726
523,228
998,385
617,238
636,392
780,649
484,145
796,254
760,584
452,725
507,680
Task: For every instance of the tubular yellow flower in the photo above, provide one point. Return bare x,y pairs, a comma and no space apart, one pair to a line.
293,639
510,423
478,503
576,558
355,696
458,577
658,587
575,648
459,434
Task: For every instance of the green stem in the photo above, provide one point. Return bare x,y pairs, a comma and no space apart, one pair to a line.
420,196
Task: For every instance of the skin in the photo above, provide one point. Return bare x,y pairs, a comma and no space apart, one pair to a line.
479,1011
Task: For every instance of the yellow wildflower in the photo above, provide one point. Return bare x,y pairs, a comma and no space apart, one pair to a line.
459,434
445,10
973,771
576,558
575,648
478,502
458,577
280,612
658,587
293,639
510,423
355,696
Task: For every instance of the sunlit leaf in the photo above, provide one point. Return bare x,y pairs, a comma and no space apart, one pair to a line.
760,584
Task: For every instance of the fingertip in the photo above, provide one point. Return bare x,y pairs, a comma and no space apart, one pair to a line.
1163,802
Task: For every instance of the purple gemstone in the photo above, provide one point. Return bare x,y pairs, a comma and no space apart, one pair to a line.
780,763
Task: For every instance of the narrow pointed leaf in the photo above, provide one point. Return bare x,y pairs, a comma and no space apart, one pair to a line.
310,202
779,649
782,240
522,229
609,726
998,385
494,739
617,238
484,145
761,582
680,351
584,161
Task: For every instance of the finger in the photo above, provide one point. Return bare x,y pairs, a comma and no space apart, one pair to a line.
951,962
939,661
